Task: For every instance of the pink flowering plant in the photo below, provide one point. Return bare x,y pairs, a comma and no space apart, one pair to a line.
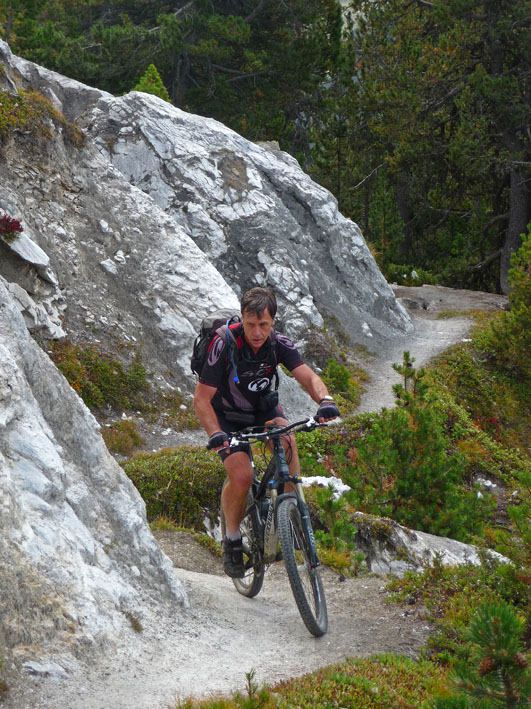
9,227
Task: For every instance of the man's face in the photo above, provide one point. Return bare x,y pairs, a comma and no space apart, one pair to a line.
256,328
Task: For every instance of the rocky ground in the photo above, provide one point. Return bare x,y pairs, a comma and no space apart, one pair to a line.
208,647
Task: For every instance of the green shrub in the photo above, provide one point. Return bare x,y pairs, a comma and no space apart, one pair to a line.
122,437
452,595
341,383
378,682
99,379
179,484
334,532
405,467
30,111
497,672
479,395
508,339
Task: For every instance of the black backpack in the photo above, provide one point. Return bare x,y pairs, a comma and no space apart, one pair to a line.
217,323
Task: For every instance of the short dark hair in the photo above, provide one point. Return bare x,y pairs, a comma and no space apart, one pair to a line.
257,300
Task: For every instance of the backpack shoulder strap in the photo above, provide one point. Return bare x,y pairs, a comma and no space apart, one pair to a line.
274,347
274,344
227,335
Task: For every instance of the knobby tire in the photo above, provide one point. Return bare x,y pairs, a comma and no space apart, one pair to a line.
251,584
306,582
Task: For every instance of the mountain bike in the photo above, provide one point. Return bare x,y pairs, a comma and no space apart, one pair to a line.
276,517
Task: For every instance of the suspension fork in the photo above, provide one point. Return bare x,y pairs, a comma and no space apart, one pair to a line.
283,476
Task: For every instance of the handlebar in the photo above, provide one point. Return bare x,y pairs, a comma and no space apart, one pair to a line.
253,434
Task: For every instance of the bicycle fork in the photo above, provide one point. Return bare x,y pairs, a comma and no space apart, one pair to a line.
283,476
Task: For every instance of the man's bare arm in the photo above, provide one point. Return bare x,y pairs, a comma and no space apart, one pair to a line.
311,381
203,408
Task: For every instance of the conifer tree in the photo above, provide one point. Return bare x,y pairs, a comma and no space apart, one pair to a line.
151,83
497,674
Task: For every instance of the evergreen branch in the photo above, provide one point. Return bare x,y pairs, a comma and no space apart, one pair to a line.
247,76
367,177
483,264
238,74
250,17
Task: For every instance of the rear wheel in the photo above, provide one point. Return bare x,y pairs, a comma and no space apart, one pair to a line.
251,584
305,581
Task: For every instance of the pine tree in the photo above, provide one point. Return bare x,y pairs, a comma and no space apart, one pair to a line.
151,83
497,674
408,469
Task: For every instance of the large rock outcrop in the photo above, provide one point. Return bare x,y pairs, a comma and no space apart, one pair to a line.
162,216
77,558
130,237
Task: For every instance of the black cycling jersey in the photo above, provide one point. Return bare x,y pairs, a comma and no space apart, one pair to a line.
255,372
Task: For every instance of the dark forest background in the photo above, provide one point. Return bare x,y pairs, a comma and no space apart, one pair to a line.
415,114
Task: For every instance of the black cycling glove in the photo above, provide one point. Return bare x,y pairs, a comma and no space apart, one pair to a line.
327,410
216,440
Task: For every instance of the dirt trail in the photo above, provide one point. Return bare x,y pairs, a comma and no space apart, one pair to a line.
432,335
208,648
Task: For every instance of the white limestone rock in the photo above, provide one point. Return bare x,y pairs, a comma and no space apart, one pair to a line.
252,211
72,526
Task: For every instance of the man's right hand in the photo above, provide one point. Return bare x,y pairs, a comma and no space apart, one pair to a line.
327,410
218,439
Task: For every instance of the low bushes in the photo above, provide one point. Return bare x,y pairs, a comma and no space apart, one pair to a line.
31,112
122,437
102,381
404,464
98,378
179,484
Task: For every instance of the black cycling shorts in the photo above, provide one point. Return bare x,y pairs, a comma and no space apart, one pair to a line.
228,427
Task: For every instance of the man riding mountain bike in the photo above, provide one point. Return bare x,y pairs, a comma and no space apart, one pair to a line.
236,392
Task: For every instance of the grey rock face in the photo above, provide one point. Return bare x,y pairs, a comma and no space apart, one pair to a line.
393,549
163,216
74,541
258,218
118,269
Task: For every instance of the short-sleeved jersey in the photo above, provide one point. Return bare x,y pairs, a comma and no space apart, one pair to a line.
255,371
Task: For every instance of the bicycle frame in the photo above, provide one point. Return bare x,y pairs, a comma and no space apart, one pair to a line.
277,475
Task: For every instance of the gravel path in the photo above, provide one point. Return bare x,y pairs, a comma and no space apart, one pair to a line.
208,647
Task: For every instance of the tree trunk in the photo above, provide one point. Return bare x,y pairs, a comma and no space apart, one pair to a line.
519,217
402,201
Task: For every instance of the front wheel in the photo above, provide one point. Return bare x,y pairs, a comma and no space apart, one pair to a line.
251,584
305,581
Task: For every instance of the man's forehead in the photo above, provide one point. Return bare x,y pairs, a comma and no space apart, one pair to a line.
263,315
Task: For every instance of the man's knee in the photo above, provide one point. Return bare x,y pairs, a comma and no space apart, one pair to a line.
239,471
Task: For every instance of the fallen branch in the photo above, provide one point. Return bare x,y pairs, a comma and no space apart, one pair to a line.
490,258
